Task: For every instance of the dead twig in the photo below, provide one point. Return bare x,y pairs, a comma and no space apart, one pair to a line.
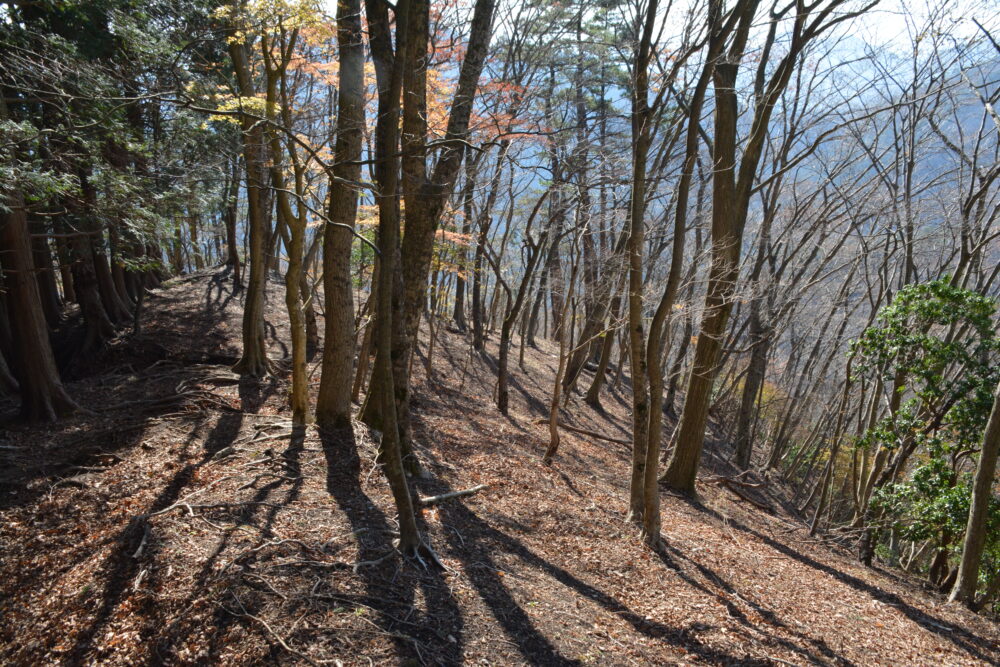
583,431
183,501
276,636
734,480
734,488
433,500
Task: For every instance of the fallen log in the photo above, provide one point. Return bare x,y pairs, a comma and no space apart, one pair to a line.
733,480
433,500
733,486
591,434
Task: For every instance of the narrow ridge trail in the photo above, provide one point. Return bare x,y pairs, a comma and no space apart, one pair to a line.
183,521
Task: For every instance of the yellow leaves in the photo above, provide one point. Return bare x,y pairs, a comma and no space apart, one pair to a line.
230,104
319,32
267,16
290,13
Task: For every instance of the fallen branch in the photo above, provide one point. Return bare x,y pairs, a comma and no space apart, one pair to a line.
276,636
734,480
733,487
335,565
432,500
583,431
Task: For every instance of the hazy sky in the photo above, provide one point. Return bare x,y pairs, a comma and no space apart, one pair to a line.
894,20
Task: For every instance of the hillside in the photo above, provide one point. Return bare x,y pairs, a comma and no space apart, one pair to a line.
180,522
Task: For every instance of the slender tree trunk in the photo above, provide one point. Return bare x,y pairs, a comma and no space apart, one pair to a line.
333,407
65,270
278,107
47,290
553,447
229,218
982,494
597,309
467,198
194,222
752,385
389,80
514,309
641,141
253,362
593,397
99,327
8,384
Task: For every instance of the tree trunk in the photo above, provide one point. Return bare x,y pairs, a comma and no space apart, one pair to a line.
593,397
982,494
47,290
253,362
514,309
467,198
292,222
727,231
65,270
752,385
118,311
333,407
426,196
229,218
43,397
641,140
99,327
389,78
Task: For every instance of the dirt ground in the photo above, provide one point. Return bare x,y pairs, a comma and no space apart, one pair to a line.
182,521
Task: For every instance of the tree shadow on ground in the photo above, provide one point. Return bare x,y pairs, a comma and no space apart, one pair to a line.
975,646
219,292
476,547
978,647
390,585
533,403
127,560
821,648
247,515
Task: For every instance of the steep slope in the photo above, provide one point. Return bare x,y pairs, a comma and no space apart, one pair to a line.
183,523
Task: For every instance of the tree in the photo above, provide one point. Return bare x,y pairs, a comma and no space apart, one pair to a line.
935,349
388,71
731,191
426,194
43,397
982,497
333,406
253,361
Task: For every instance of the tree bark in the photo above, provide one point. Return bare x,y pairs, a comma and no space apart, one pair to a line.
752,385
43,397
47,290
389,80
333,406
982,494
425,195
641,141
253,362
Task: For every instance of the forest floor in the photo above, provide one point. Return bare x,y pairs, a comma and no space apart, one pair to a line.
180,521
